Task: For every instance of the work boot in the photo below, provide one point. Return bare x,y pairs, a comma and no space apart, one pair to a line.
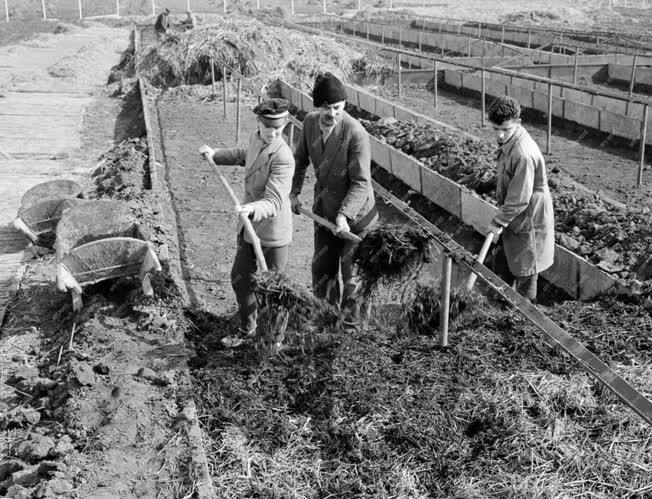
235,340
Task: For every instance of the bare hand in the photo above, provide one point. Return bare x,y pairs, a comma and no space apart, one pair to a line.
495,229
341,224
249,211
206,150
295,202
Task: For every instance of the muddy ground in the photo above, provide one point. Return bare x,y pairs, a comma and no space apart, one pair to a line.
384,413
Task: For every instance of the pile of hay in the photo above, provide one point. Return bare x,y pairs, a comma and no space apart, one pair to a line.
390,255
284,304
259,51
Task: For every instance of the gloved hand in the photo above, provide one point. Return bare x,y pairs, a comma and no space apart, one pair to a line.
295,202
206,150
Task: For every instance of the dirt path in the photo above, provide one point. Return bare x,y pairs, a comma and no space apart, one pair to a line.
599,167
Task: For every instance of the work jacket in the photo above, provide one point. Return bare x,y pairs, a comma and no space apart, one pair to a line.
268,178
525,206
342,169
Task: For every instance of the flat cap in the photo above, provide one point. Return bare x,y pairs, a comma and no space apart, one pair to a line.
273,112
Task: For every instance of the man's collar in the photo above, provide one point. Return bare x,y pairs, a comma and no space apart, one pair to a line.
507,146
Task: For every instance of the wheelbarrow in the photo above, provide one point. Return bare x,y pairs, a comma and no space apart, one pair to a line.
101,240
53,189
41,208
39,221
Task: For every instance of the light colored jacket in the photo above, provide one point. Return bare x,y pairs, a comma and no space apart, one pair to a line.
342,168
525,206
268,178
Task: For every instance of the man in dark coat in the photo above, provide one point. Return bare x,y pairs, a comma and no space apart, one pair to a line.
525,217
338,147
162,24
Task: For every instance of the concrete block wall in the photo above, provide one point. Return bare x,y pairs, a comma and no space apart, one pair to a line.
570,272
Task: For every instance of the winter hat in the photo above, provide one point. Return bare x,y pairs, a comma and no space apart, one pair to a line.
328,90
272,112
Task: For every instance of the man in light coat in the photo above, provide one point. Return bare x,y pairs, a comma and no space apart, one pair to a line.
525,217
340,152
269,166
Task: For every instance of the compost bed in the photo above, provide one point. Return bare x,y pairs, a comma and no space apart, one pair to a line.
386,412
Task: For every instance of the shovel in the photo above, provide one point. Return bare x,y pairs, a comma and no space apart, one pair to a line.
480,259
258,250
330,225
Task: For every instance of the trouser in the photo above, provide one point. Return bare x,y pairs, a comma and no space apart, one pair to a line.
242,277
525,285
332,268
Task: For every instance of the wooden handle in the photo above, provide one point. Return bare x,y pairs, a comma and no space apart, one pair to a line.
330,225
258,250
480,259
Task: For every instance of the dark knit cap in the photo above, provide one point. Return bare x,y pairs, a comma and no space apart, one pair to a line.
272,112
328,90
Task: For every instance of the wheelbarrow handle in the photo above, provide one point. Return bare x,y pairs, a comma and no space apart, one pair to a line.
330,225
480,259
258,250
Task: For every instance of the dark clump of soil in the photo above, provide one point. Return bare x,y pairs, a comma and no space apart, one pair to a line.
121,173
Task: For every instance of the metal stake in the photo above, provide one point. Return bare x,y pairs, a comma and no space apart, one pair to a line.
436,85
631,84
237,113
224,88
549,135
641,164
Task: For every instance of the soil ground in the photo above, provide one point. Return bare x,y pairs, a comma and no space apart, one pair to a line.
370,414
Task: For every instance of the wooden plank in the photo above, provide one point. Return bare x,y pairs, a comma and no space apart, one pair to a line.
589,361
476,212
593,281
384,108
380,153
441,191
367,102
565,271
406,168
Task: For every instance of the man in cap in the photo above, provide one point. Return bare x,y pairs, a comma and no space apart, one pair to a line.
269,166
525,216
338,147
162,24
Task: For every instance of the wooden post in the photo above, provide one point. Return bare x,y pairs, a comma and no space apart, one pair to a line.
549,134
577,57
390,4
292,6
641,146
482,121
529,38
398,63
479,30
353,29
400,37
257,4
436,85
324,3
237,112
469,39
631,84
153,7
81,12
445,300
502,36
6,11
367,30
420,49
45,16
359,5
443,49
117,8
382,35
561,39
212,78
224,88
